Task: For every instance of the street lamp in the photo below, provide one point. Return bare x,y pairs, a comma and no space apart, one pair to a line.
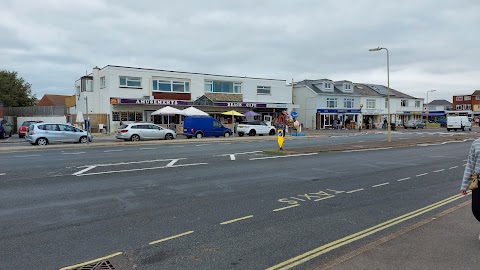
389,128
427,109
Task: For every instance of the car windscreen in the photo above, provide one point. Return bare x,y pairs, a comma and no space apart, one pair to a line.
28,123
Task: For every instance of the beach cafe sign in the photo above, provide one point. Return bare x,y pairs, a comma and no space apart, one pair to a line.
116,101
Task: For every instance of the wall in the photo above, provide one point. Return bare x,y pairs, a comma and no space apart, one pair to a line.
307,101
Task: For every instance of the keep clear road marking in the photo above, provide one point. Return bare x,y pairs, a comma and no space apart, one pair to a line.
353,191
403,179
91,262
297,155
307,256
454,167
383,184
418,175
108,151
170,238
441,170
27,156
235,220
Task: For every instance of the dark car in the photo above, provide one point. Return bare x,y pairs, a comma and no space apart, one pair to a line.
5,129
414,124
22,131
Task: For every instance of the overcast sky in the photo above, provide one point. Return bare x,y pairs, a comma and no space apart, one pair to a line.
433,44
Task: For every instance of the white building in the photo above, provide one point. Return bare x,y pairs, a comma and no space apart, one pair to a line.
131,94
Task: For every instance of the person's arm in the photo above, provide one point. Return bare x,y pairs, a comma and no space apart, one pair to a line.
469,170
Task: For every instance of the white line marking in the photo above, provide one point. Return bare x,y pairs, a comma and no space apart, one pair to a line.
2,173
226,143
172,163
108,151
148,148
298,155
27,156
353,191
336,191
242,153
441,170
361,141
371,149
465,160
235,220
126,163
202,144
84,170
77,153
464,164
403,179
418,175
454,167
177,146
170,238
232,157
142,169
286,207
379,185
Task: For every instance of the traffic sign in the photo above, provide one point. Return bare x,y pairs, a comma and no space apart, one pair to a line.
280,138
294,114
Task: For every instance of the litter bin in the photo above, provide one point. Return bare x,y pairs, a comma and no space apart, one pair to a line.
392,126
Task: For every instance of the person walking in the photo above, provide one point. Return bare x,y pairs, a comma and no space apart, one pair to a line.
472,169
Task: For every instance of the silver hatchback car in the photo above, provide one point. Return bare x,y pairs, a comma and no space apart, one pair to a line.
144,131
45,133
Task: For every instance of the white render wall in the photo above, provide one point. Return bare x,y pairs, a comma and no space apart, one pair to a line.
307,101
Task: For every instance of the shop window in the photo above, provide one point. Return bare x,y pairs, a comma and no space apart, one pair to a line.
116,116
124,116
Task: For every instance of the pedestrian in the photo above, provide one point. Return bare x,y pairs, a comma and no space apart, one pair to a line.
385,123
370,122
472,170
335,124
347,123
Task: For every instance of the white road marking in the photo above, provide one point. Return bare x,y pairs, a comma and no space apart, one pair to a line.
232,157
177,146
202,144
172,163
418,175
84,170
402,138
465,160
370,149
379,185
27,156
2,173
465,164
356,190
227,143
441,170
108,151
148,148
297,155
336,191
403,179
454,167
142,169
285,208
242,153
77,153
126,163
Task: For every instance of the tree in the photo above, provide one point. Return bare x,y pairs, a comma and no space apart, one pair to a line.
14,90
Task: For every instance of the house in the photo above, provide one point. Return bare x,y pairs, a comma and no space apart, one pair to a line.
53,100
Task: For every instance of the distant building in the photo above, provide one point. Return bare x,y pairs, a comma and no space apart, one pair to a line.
438,105
53,100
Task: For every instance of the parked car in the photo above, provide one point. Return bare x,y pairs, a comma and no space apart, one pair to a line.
23,129
204,126
5,129
255,127
442,122
144,131
458,122
45,133
414,124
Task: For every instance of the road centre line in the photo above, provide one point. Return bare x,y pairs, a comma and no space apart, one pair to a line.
148,148
379,185
177,146
297,155
285,208
454,167
2,173
142,169
441,170
353,191
307,256
130,162
235,220
76,153
27,156
418,175
242,153
170,238
84,170
370,149
202,144
114,150
232,157
91,262
403,179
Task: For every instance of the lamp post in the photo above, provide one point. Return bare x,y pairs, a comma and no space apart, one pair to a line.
389,128
427,109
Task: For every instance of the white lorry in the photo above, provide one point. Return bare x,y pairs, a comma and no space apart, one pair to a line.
458,122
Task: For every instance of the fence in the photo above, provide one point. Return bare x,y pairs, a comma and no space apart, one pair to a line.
95,121
36,111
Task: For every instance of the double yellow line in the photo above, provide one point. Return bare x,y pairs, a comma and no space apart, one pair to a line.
359,235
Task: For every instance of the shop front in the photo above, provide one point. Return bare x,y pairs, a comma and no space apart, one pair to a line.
404,116
327,118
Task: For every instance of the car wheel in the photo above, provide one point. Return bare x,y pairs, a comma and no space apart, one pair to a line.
272,132
42,141
199,135
226,134
240,134
20,136
10,134
168,136
405,127
83,139
448,129
2,135
252,132
189,137
463,129
135,138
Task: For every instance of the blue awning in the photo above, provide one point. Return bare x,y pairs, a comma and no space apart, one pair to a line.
434,114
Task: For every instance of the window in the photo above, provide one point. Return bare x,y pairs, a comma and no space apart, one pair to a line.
467,106
417,103
332,103
263,90
127,116
116,116
102,82
459,98
348,103
348,87
328,86
217,124
386,103
477,97
458,107
223,87
404,103
370,103
133,82
467,98
66,128
170,86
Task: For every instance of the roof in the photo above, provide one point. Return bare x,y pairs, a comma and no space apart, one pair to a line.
383,91
311,84
476,93
439,102
364,90
52,100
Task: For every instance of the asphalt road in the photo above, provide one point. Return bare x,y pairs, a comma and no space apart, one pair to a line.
213,205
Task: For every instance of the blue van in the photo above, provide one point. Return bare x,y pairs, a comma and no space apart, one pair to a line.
204,126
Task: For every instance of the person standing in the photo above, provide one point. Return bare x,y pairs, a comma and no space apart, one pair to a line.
472,168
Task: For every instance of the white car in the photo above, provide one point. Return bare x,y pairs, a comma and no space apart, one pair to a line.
254,128
144,131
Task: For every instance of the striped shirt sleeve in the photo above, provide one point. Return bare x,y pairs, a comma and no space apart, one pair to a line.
471,167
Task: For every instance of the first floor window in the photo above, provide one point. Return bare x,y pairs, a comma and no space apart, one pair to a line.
170,86
417,103
102,82
134,82
404,103
263,90
349,103
370,103
467,98
459,98
223,87
332,103
386,103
